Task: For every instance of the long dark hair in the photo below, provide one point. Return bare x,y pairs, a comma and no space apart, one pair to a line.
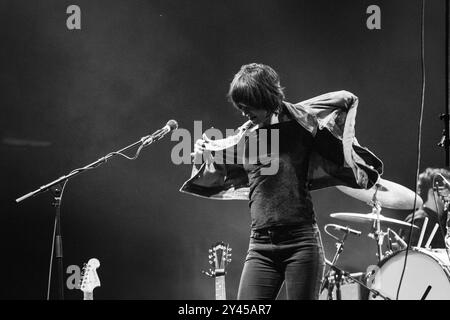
258,86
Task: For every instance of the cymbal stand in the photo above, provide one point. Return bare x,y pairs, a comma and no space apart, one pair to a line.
377,233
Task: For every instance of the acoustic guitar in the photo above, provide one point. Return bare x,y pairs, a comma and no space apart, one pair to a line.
219,258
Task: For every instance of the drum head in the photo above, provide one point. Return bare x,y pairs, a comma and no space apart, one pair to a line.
426,277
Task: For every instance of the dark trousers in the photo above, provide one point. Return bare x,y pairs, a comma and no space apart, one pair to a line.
291,254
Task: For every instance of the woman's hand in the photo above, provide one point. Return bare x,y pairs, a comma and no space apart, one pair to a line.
199,149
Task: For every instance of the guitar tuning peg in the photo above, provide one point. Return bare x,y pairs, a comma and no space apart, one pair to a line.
208,273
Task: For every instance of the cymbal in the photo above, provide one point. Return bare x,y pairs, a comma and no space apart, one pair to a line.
367,217
390,195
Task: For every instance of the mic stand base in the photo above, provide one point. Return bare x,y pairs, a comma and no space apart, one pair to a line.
348,275
326,282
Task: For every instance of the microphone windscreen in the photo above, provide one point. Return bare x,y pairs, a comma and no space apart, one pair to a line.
172,124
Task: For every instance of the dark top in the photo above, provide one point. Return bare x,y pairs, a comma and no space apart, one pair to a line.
438,241
281,199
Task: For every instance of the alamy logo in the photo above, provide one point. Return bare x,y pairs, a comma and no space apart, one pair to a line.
73,22
374,20
235,147
74,279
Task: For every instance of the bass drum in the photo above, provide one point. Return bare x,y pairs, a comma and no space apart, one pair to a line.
427,276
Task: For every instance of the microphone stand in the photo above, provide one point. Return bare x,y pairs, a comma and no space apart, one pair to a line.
57,191
445,140
348,275
57,194
339,273
337,276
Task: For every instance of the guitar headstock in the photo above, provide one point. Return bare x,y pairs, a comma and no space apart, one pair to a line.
90,279
219,257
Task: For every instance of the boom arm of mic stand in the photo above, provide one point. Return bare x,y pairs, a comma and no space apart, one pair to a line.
75,172
57,238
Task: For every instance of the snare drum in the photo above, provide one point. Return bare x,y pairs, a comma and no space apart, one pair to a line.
427,276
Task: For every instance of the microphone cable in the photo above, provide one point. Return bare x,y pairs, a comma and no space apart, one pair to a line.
419,138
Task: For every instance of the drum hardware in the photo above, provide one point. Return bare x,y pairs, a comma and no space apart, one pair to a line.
390,195
342,273
336,276
368,217
376,226
385,194
427,276
422,232
343,280
430,238
425,294
397,245
370,273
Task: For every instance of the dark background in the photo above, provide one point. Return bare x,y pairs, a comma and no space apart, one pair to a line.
71,96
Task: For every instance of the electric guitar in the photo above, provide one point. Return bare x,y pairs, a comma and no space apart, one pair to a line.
90,280
219,257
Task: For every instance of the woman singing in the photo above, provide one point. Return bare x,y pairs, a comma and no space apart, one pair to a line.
315,148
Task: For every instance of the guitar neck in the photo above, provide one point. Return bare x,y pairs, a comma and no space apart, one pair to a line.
88,295
220,288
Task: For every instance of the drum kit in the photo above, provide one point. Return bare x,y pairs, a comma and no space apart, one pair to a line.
404,273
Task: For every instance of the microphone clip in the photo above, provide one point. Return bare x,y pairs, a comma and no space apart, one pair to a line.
147,140
158,134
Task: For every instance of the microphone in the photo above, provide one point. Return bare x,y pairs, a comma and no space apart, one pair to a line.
445,181
443,189
345,229
397,237
155,136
